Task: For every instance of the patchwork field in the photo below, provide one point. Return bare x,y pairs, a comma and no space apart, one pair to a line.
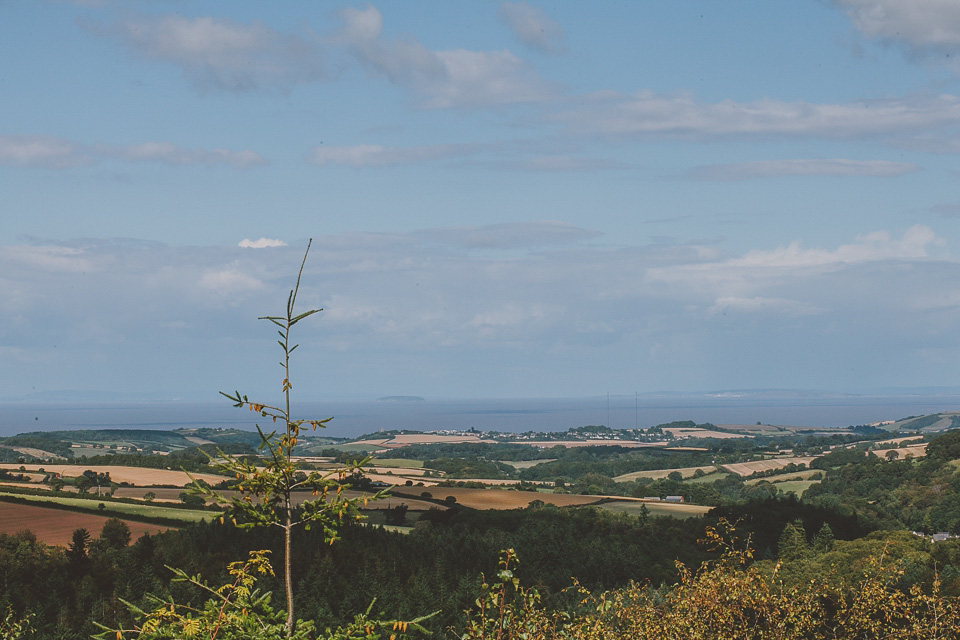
418,438
692,432
793,475
143,510
749,468
917,451
166,494
656,508
526,464
402,463
55,526
504,499
30,451
656,474
758,429
134,475
795,486
895,442
547,444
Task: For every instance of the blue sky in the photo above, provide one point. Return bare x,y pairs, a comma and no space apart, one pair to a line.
506,199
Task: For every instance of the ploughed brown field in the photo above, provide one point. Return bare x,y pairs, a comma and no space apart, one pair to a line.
56,526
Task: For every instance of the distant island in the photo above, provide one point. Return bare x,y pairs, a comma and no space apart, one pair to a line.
401,399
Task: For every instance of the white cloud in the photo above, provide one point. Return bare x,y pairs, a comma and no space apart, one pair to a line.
56,153
222,54
174,155
452,78
427,305
648,114
511,235
41,151
47,258
262,243
561,164
532,26
374,155
742,276
228,281
823,167
922,26
758,304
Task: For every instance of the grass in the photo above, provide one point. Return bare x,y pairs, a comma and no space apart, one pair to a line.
785,477
142,510
355,447
656,509
526,464
709,477
796,486
401,463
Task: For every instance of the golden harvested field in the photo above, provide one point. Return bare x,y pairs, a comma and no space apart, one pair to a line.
656,474
56,526
30,451
504,499
917,451
134,475
749,468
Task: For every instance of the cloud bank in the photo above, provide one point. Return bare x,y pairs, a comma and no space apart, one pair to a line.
443,310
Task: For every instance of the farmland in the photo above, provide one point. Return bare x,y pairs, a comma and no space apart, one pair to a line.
915,451
635,508
772,464
132,510
686,472
55,527
138,476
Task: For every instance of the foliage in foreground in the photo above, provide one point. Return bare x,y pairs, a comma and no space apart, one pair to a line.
238,610
729,598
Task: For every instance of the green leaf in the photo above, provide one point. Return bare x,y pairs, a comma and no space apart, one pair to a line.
303,315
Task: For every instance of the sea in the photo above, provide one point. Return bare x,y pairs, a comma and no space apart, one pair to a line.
514,415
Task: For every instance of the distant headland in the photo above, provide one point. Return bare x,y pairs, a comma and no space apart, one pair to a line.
401,399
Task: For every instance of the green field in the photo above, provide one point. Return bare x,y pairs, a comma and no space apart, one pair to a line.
796,486
709,477
656,509
142,510
526,464
402,463
785,477
354,447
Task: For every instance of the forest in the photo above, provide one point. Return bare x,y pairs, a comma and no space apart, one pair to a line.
860,514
